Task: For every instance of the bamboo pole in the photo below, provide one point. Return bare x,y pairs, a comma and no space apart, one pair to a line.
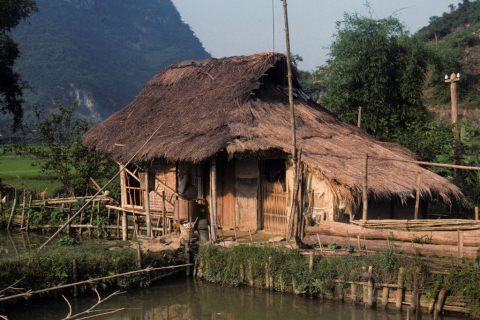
359,122
417,200
124,226
164,215
460,244
13,211
476,213
213,205
434,164
365,189
98,192
147,206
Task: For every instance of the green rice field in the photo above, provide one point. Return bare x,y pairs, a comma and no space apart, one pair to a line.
23,171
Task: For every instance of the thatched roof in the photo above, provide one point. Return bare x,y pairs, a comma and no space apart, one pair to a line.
240,104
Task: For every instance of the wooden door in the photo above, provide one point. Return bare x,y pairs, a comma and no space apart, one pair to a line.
225,192
274,196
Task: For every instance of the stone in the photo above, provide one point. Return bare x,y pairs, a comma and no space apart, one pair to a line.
277,239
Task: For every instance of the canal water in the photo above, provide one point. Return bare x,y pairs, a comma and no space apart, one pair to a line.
190,299
14,243
183,299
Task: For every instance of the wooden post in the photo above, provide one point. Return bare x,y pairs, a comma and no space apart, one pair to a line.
124,226
89,229
187,252
460,244
147,206
74,266
385,297
476,213
213,204
28,214
164,214
365,189
353,289
359,117
139,256
310,265
417,200
456,140
399,297
414,301
369,303
267,276
439,304
68,227
292,120
23,210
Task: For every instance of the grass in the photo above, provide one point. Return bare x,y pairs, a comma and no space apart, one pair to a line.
236,266
24,171
53,265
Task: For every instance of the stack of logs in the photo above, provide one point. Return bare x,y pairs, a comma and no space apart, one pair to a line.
459,243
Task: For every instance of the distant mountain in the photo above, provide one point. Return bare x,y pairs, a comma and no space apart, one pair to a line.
100,52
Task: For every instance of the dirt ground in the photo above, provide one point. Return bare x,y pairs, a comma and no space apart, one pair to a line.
226,238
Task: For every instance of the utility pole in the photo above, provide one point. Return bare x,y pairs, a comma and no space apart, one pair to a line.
456,139
292,121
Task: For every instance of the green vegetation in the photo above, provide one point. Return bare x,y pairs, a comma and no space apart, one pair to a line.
231,266
11,85
62,159
385,77
22,171
57,161
53,266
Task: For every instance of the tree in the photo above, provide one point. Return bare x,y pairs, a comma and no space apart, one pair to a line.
377,65
59,154
12,12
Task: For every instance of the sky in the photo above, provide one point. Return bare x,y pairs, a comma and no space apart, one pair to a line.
244,27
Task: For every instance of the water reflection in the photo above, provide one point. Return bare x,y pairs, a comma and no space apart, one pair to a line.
188,299
14,243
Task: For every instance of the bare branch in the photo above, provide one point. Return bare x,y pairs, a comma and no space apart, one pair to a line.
69,306
11,286
100,301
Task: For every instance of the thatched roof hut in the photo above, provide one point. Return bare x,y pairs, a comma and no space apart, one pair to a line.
240,105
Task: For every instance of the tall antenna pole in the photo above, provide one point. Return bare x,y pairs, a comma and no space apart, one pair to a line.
292,120
456,140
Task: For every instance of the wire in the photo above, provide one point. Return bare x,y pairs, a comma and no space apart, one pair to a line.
273,27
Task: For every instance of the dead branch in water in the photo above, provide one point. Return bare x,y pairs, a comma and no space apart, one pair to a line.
148,269
100,301
11,287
